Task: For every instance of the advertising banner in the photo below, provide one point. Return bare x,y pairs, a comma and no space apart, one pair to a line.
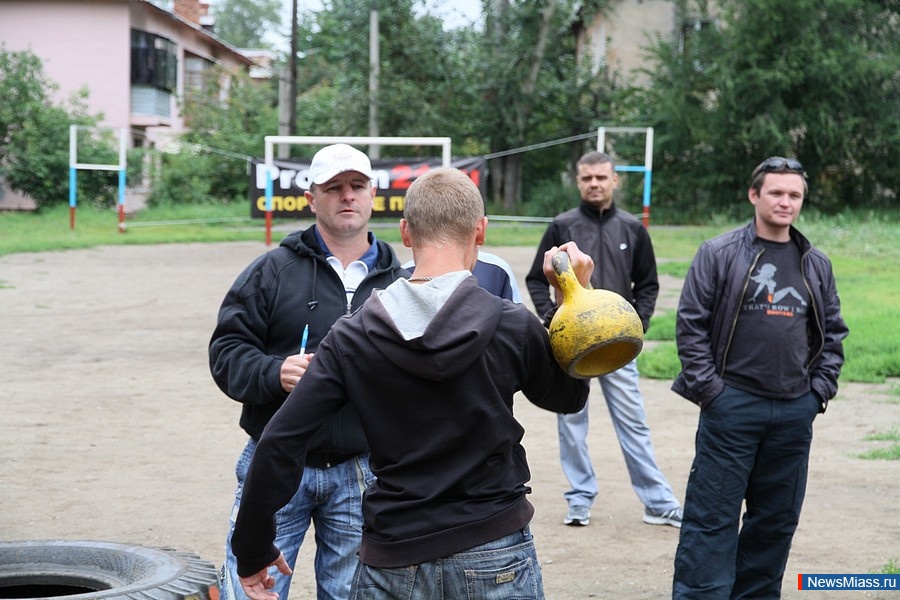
392,178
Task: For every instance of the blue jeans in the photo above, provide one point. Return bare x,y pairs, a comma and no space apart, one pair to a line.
626,407
504,569
330,498
748,448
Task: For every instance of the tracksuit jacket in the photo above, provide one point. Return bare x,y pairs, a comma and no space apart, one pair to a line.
710,301
438,413
261,322
622,251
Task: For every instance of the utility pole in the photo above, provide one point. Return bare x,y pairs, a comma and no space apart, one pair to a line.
374,75
292,121
285,109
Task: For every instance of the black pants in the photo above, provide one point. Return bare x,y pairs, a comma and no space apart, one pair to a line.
747,448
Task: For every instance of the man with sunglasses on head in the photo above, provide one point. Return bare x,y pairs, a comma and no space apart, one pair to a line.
759,333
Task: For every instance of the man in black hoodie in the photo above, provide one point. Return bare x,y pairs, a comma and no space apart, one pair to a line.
431,365
259,351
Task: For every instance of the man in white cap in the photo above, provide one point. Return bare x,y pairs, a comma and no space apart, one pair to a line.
269,325
433,366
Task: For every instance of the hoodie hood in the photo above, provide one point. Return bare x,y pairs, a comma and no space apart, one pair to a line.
433,331
296,242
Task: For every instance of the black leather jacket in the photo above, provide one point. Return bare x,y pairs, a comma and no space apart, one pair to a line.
708,311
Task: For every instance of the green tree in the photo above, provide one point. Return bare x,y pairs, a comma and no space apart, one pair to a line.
244,23
34,136
533,90
488,93
815,79
228,119
424,84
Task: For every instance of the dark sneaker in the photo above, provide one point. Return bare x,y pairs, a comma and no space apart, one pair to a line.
578,516
670,517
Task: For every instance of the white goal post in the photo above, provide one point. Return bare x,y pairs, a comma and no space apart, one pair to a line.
647,169
74,166
272,140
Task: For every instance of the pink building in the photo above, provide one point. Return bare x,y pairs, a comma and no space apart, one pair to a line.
134,58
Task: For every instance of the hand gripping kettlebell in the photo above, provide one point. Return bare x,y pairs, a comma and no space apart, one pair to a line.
594,332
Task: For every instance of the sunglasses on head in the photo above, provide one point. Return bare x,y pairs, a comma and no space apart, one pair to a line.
779,164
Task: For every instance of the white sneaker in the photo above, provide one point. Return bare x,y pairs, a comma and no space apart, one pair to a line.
670,517
578,516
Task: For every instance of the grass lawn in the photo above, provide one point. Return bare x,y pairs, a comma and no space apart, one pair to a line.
865,253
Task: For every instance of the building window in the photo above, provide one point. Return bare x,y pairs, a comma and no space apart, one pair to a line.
154,61
691,31
197,71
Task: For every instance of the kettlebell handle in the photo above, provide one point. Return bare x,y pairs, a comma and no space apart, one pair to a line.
561,262
565,274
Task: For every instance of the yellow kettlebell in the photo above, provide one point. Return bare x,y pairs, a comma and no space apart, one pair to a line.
594,332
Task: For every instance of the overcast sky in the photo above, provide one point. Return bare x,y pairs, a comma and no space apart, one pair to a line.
455,13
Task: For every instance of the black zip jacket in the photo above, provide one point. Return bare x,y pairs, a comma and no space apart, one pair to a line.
438,413
261,322
624,261
711,298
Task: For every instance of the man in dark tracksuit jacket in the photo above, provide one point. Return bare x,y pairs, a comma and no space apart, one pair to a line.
255,358
625,264
759,334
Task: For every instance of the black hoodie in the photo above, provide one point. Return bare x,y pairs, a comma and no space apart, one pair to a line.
261,323
437,411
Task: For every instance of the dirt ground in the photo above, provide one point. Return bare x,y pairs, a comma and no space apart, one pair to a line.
113,430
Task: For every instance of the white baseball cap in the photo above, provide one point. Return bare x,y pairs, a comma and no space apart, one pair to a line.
335,159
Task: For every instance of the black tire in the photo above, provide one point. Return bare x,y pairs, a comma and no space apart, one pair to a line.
84,570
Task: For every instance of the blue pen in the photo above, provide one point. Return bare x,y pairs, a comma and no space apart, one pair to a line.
304,339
